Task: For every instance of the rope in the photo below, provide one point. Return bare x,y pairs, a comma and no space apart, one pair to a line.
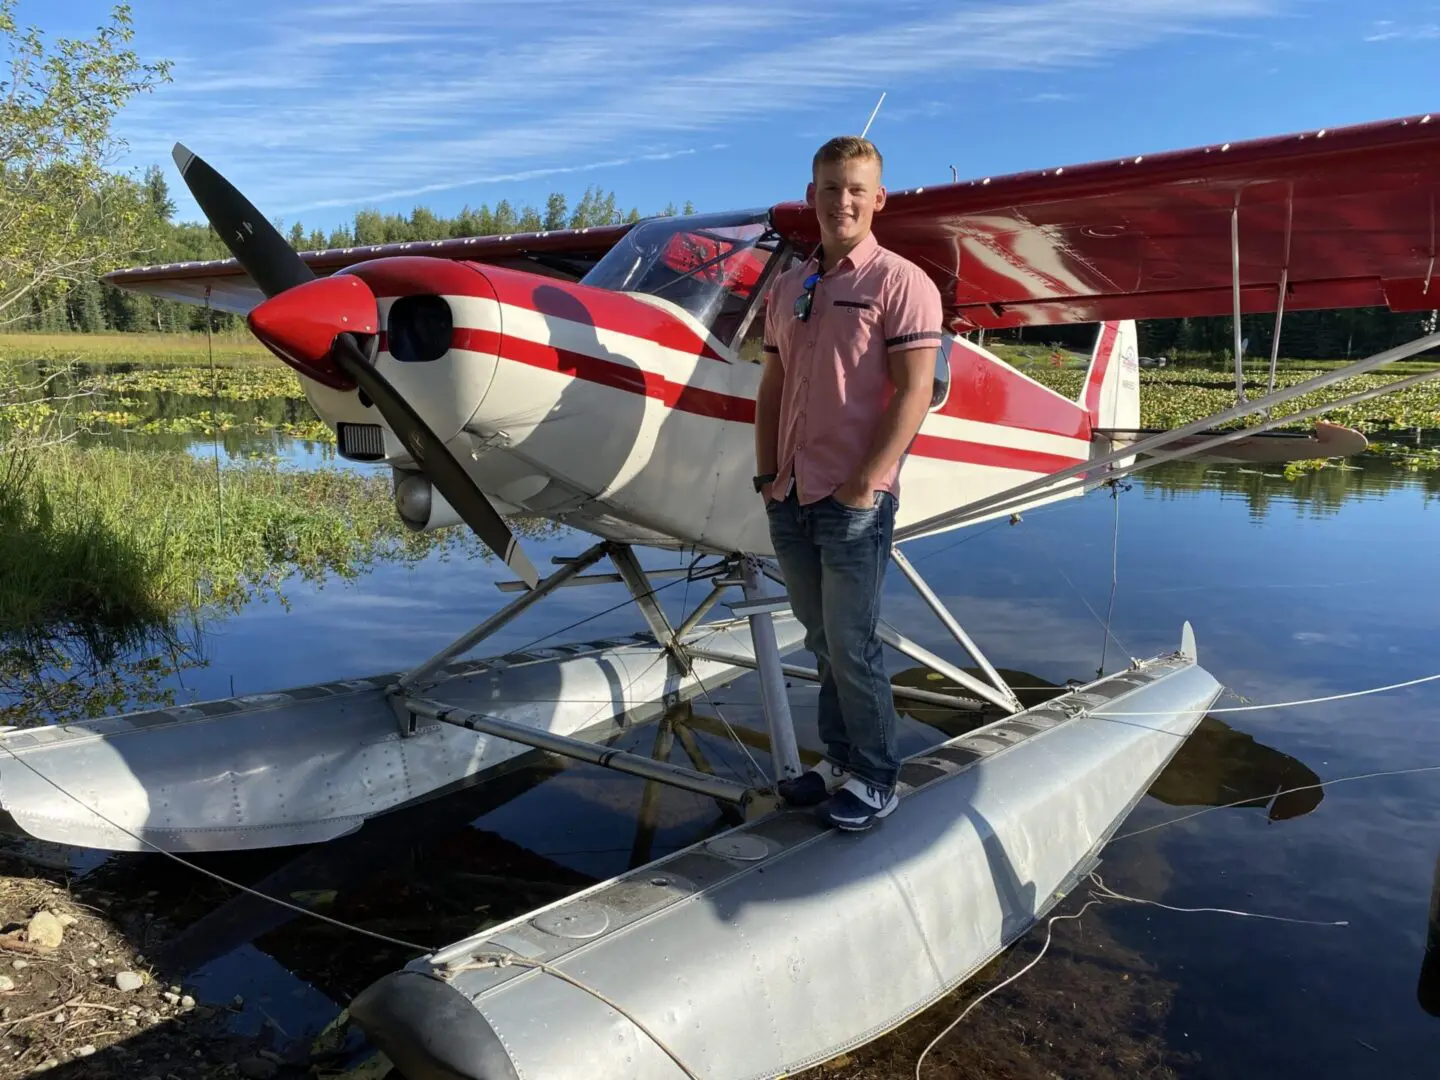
1302,701
422,949
1276,795
1049,930
1105,892
1111,894
1114,577
500,961
215,427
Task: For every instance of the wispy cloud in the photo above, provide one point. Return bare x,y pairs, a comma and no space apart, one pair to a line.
335,103
1389,30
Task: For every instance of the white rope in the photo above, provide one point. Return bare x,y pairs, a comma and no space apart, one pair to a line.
1287,791
1292,704
1049,929
1111,894
423,949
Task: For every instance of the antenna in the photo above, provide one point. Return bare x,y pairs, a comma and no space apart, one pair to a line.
872,113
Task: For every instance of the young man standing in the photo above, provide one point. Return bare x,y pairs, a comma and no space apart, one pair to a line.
850,343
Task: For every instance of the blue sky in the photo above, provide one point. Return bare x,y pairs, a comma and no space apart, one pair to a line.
317,108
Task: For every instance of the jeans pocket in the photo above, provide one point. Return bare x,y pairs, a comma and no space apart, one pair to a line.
848,509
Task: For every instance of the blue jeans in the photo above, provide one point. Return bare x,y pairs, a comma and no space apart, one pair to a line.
834,558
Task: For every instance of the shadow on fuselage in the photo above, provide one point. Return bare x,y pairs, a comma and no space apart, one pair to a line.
591,430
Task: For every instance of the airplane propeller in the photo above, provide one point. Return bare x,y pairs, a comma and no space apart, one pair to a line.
327,327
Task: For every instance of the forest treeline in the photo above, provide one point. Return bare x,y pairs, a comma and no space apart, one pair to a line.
1329,334
90,306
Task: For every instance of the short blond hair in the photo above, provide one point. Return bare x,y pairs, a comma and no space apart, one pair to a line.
845,148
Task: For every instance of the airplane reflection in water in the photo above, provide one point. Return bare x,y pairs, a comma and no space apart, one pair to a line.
445,868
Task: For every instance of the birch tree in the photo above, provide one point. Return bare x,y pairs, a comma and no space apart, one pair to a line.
65,215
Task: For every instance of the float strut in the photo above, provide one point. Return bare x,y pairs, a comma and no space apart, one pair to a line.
783,750
716,787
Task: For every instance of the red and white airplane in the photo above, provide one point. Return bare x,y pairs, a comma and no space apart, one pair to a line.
606,377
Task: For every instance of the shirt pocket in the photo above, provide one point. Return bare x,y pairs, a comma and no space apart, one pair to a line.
859,325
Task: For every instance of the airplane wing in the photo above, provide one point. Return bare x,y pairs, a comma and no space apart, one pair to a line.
566,253
1349,212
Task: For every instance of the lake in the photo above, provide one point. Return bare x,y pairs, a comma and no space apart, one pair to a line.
1296,589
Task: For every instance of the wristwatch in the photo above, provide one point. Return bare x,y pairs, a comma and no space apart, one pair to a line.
761,481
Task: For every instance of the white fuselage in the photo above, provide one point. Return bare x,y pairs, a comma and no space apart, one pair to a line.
620,415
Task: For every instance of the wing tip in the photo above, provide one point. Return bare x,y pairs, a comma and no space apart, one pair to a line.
183,157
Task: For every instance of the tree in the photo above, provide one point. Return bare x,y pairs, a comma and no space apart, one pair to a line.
64,216
555,208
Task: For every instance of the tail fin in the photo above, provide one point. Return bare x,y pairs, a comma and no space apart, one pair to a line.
1111,394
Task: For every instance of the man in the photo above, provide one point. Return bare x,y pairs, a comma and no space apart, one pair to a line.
850,343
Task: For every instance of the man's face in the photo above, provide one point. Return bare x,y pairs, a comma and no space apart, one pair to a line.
846,195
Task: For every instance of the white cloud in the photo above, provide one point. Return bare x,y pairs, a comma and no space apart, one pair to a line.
341,102
1386,30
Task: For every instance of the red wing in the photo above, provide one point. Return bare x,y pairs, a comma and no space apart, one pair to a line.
1150,236
566,253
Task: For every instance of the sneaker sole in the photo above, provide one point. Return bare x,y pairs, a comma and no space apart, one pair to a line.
861,824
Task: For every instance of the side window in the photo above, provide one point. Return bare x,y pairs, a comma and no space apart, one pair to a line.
751,348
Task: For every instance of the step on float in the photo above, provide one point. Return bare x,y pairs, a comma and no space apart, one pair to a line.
782,942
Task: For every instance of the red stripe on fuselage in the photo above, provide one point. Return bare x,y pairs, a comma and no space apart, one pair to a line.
721,406
988,454
981,391
633,380
412,275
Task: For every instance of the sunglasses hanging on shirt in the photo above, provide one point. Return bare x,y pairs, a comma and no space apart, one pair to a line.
806,300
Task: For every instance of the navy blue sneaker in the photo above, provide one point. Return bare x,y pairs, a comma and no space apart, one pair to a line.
815,786
858,805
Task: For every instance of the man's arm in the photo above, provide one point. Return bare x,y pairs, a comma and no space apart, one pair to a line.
913,373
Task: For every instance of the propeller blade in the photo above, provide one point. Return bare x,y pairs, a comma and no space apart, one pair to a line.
434,458
277,268
258,246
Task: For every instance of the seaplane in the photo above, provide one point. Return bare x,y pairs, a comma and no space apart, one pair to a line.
604,378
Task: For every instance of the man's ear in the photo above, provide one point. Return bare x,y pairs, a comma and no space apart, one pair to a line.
810,193
880,198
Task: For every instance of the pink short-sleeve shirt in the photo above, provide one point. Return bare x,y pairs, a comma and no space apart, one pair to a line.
837,379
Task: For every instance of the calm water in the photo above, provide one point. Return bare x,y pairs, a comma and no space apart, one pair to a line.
1296,589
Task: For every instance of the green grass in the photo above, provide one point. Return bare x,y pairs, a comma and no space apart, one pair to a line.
112,555
185,349
147,534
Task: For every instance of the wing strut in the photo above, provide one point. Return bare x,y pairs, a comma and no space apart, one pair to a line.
1089,472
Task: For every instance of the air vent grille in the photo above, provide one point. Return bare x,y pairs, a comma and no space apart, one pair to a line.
361,442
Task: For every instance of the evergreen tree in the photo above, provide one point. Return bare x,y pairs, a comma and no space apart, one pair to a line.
555,210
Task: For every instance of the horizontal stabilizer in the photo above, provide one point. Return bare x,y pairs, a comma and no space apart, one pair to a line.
1327,440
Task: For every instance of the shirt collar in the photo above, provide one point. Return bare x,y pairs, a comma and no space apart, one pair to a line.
858,256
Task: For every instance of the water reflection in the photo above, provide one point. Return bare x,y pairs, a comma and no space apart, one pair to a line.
1427,990
1413,463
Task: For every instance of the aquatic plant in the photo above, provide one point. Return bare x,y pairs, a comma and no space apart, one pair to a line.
112,555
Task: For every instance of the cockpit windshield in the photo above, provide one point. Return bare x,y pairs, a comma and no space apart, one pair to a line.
712,265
